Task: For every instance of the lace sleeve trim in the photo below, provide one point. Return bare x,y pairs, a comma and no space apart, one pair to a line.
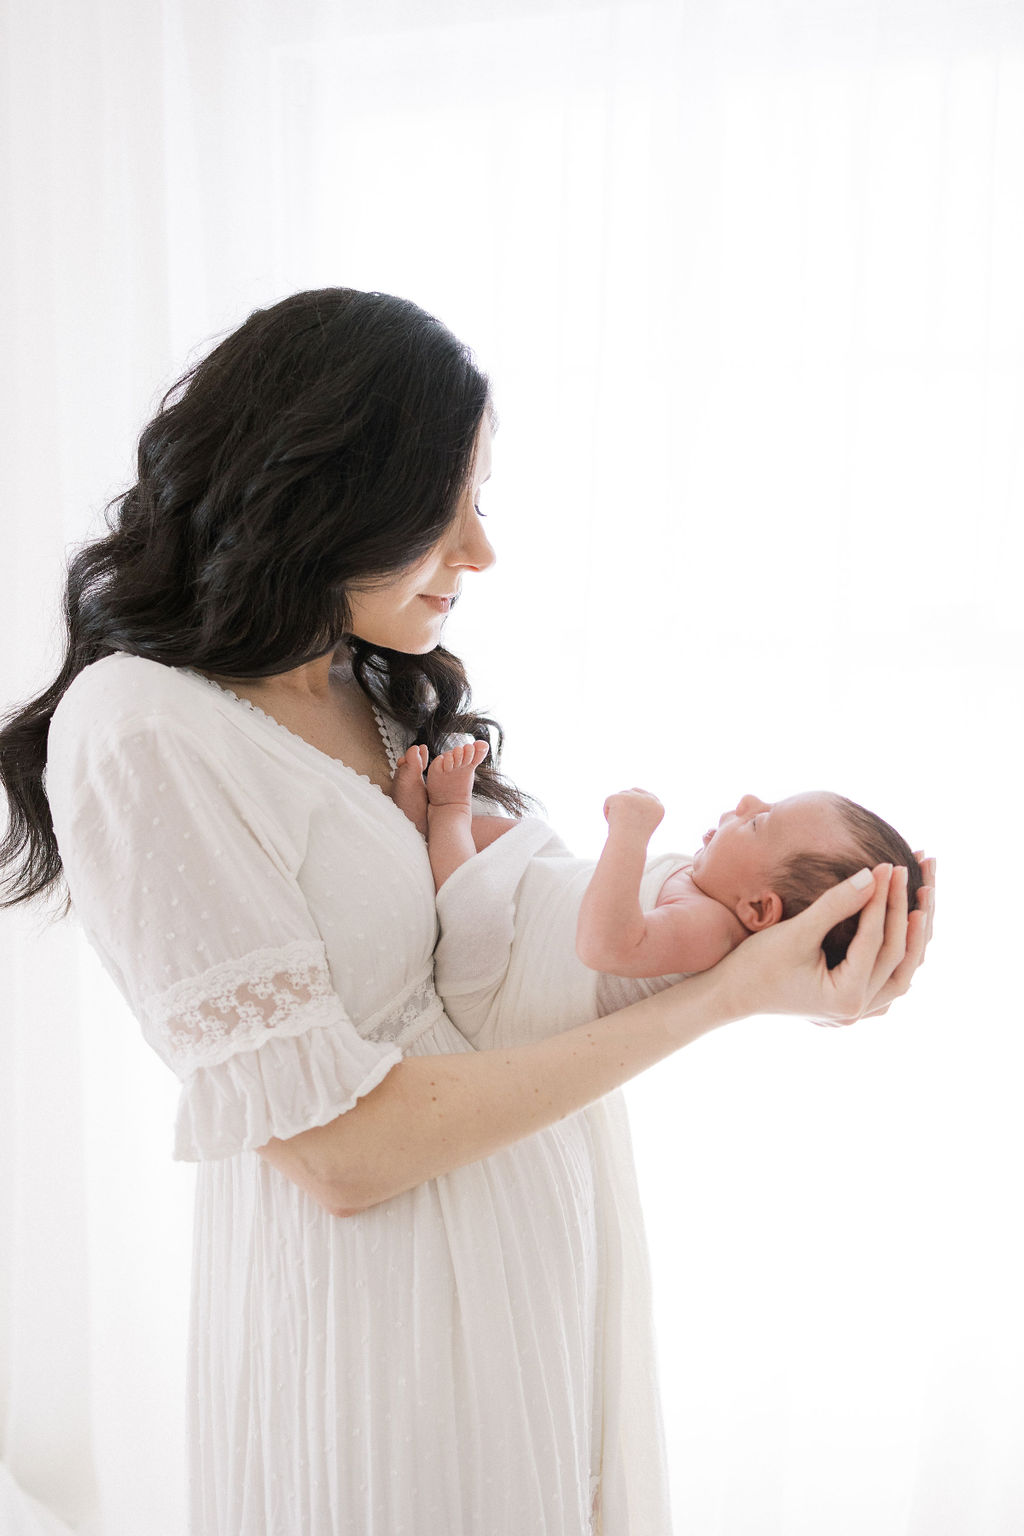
235,1007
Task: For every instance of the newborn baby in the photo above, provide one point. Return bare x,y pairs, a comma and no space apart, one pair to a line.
510,895
761,864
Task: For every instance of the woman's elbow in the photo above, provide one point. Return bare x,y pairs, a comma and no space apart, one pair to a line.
347,1192
345,1210
351,1164
348,1201
338,1191
340,1197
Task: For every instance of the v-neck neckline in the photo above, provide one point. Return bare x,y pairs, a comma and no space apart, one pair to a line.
274,724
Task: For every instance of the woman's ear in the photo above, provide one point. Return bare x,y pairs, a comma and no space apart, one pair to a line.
761,912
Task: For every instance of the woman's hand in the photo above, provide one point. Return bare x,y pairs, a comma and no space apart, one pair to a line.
783,969
919,932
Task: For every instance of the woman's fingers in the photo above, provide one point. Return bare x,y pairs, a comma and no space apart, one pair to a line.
894,933
899,982
866,946
918,933
928,871
857,894
887,948
917,929
875,969
849,985
927,885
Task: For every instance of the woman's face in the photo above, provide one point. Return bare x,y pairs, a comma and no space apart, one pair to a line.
407,611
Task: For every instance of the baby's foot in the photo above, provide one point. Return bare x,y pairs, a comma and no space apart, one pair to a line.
450,776
409,791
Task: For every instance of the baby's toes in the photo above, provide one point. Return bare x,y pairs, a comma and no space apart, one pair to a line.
413,760
465,757
440,767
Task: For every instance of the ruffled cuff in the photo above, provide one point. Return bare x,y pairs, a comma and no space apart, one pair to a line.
284,1086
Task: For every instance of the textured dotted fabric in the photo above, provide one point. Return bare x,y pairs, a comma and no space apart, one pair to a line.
435,1366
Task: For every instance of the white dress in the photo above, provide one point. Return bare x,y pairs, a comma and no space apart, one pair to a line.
452,1362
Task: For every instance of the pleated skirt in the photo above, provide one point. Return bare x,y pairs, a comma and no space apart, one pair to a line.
431,1367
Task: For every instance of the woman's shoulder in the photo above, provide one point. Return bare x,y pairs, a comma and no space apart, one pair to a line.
113,694
116,704
129,730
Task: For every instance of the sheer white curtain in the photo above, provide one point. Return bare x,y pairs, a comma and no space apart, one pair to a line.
747,279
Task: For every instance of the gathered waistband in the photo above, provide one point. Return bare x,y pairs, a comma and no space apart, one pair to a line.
406,1016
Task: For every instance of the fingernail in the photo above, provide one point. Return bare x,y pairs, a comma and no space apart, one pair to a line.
861,879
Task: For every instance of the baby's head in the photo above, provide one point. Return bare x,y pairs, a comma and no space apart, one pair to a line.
768,862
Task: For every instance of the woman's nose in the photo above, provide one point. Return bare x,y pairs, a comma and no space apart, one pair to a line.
471,549
750,804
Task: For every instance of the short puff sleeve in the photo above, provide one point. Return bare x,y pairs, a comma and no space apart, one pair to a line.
185,884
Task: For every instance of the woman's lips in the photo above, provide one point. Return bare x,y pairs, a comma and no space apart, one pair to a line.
439,604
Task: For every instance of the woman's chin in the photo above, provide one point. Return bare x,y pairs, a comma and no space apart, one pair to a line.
422,643
407,644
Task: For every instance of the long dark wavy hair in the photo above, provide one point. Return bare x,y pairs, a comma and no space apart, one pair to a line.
324,443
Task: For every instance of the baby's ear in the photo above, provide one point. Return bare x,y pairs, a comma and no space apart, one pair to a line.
761,912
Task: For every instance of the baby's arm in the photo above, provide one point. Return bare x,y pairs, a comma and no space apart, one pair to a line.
690,933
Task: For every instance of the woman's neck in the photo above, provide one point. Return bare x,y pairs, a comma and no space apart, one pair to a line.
311,682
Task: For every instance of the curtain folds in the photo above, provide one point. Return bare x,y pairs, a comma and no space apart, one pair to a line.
745,274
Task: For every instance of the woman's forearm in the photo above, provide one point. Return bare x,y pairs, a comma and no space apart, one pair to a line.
432,1114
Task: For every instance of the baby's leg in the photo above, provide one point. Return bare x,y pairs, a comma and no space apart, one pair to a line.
450,808
410,792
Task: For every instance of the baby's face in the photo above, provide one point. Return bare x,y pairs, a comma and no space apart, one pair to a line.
739,859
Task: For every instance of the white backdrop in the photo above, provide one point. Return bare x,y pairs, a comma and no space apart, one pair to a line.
746,275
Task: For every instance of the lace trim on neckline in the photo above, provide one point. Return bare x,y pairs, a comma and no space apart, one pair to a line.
383,726
271,720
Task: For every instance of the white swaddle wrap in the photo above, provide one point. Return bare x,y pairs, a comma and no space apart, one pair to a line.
507,968
506,962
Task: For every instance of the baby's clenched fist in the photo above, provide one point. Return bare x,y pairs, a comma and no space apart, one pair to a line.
635,810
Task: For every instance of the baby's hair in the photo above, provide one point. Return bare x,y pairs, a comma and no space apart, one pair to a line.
805,876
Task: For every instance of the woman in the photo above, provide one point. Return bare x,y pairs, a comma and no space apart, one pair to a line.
406,1309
